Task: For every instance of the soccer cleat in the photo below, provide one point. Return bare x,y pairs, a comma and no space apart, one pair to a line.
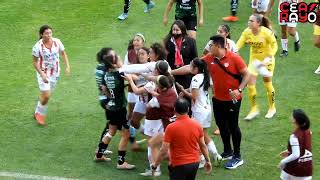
40,119
217,132
270,114
107,152
123,16
217,157
125,166
148,172
297,46
101,159
231,18
234,163
284,53
251,115
149,7
226,156
317,71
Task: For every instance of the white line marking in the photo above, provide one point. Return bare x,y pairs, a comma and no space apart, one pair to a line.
31,176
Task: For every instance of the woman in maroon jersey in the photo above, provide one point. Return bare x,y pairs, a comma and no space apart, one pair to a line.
297,162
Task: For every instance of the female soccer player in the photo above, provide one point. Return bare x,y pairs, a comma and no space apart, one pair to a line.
46,61
127,3
297,162
263,47
223,30
153,125
186,11
200,100
287,27
132,58
113,86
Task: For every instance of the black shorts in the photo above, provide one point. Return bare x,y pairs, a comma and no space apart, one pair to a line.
190,22
118,118
103,103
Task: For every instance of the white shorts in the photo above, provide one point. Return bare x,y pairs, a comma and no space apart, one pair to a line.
286,176
152,127
132,97
261,6
204,118
289,24
140,107
50,86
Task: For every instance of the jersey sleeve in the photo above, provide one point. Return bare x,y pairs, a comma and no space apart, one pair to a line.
150,87
240,64
271,39
167,135
233,47
61,46
126,60
154,103
242,40
36,51
293,140
196,82
207,47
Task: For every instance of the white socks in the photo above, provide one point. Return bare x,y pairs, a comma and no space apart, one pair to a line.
296,37
212,148
150,158
284,44
42,109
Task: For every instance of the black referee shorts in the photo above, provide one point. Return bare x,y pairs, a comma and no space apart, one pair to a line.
183,172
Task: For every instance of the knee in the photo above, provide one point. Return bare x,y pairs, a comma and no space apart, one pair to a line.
45,99
135,124
292,32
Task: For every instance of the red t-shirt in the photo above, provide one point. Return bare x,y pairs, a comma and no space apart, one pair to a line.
222,81
183,136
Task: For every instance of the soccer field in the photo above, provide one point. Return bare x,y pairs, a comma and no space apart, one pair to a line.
65,147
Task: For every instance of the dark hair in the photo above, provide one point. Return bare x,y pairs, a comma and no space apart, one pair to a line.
263,21
226,28
202,67
130,45
42,29
181,26
181,106
163,67
219,40
159,50
104,57
301,119
164,82
147,50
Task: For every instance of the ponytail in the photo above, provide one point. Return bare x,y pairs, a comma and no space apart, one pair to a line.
202,67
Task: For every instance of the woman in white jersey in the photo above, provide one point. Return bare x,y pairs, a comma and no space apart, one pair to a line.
200,104
46,61
223,30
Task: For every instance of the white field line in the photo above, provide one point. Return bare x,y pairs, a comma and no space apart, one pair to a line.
31,176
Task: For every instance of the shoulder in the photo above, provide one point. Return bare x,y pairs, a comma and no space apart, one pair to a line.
56,40
197,77
38,43
294,140
266,31
247,31
207,57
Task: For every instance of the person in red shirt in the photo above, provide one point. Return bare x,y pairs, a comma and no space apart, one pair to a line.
183,147
229,75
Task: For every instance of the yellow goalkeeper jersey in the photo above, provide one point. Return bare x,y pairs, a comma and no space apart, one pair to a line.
262,45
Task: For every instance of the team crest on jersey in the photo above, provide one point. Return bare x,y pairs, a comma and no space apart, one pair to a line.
226,65
298,12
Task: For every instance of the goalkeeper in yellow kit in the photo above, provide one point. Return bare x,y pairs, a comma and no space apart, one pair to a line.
263,47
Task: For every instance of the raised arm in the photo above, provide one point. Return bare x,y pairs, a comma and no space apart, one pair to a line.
182,70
